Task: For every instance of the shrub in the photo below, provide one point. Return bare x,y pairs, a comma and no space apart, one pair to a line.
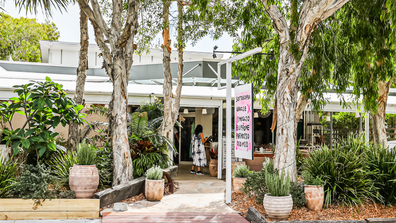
311,180
45,105
105,166
382,162
255,186
33,182
345,171
86,154
8,170
298,195
277,185
61,164
241,171
154,173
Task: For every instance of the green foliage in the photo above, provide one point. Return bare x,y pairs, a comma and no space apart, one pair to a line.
382,162
255,186
311,180
19,38
105,166
153,109
33,183
241,171
299,157
148,146
61,164
345,171
45,105
154,173
298,194
86,154
277,185
8,170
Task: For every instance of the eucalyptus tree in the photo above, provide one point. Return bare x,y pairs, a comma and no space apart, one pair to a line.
293,23
117,44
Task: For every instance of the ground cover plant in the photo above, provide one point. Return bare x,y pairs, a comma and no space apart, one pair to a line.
154,173
241,171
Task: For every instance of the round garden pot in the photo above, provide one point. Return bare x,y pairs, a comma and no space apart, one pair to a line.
213,168
154,189
83,180
278,208
314,196
238,183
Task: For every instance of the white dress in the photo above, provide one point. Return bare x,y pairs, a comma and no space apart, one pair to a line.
198,151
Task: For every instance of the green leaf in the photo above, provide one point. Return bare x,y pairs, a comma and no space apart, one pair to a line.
79,108
15,151
56,121
48,102
51,146
48,79
20,112
41,104
29,132
26,143
42,151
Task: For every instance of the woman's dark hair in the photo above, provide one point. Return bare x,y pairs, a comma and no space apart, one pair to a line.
198,130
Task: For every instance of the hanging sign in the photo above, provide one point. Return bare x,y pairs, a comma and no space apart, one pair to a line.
244,124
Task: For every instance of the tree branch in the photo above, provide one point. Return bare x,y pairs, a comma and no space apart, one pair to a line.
278,22
312,13
128,36
116,21
99,18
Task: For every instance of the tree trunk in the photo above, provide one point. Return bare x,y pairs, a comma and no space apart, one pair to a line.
123,168
167,88
74,130
302,103
379,126
286,96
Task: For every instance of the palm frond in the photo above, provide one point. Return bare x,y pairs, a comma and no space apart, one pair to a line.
46,6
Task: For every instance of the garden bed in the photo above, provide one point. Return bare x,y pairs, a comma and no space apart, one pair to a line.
21,209
241,203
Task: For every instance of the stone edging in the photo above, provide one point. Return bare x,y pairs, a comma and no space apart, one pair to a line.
253,216
124,191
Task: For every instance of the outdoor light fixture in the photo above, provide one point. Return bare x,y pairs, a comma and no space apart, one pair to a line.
185,111
256,115
271,54
357,115
328,117
224,105
204,112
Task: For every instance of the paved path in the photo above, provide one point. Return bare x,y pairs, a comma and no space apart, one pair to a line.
194,202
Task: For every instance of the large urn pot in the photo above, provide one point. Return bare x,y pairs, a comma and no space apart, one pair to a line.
154,189
213,167
84,180
314,196
278,208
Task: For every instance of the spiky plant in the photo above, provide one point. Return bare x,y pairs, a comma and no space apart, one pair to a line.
154,173
86,154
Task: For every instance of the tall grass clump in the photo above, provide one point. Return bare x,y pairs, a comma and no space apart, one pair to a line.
348,180
61,164
86,154
382,161
277,185
8,171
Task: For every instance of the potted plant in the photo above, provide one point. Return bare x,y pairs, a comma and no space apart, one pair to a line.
314,192
278,203
241,173
84,176
154,187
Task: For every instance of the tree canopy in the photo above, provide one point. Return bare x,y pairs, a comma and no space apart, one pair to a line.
19,37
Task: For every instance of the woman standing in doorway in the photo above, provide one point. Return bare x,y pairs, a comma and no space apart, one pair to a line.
198,150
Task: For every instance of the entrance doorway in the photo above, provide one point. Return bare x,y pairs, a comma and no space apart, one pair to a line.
188,126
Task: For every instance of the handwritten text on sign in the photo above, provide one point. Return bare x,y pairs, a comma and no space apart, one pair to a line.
244,121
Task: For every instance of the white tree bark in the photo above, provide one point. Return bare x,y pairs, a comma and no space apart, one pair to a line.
74,130
117,61
379,126
171,102
289,70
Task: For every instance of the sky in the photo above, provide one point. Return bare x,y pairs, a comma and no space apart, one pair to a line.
69,28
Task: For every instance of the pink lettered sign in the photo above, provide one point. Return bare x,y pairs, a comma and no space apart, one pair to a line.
244,127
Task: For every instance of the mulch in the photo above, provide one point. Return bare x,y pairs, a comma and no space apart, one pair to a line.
141,196
241,203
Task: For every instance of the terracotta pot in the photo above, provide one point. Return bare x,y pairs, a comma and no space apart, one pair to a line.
237,183
154,189
314,196
213,168
278,208
84,180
